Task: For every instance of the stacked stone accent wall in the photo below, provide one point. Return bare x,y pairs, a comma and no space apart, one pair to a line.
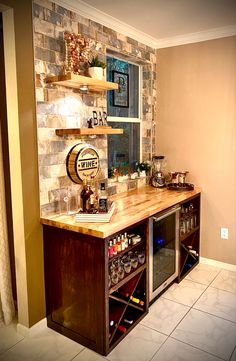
60,107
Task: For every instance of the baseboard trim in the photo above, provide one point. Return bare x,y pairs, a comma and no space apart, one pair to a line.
212,262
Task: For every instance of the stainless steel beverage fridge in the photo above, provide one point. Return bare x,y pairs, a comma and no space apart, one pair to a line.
163,250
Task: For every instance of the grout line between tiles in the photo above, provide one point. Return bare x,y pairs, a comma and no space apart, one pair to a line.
11,347
232,353
197,348
77,353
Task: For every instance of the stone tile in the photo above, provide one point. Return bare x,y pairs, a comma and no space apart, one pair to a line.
70,25
62,11
233,357
46,345
140,344
39,40
39,94
203,273
45,3
8,337
55,121
40,67
54,69
132,41
109,31
45,55
111,190
38,11
96,25
52,17
164,315
57,146
209,333
179,351
54,44
219,303
43,27
226,280
88,355
186,292
46,135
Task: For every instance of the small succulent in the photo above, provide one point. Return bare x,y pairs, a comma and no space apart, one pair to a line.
95,62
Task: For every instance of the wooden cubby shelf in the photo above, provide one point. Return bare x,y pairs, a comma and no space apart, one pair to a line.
190,241
75,81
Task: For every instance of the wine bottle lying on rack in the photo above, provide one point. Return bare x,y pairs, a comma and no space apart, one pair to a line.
119,327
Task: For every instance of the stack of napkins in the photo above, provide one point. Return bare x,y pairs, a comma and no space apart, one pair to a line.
95,217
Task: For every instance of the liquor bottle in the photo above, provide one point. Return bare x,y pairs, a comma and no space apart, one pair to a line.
126,240
110,249
103,201
114,247
84,195
122,243
118,242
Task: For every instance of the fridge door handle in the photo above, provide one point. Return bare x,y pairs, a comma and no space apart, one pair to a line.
166,214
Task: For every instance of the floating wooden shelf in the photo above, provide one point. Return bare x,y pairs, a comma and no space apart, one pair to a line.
88,131
76,81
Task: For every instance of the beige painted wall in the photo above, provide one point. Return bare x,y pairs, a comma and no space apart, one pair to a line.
19,70
196,130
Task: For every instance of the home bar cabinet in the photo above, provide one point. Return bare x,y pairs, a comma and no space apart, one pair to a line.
82,301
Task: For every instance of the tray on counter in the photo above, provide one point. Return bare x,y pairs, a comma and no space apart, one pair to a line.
95,217
180,186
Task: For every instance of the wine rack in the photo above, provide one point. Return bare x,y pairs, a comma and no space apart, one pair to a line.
189,236
128,302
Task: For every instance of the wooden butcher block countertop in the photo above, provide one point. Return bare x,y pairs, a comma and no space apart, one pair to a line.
130,207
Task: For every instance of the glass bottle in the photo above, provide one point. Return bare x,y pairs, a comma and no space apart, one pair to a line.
103,199
84,195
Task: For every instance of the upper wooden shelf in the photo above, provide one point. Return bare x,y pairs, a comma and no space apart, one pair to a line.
88,131
76,81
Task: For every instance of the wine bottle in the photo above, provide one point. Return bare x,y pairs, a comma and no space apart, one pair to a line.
121,328
123,293
91,198
84,195
137,300
130,322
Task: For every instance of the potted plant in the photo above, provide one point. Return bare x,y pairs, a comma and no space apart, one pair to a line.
143,168
96,68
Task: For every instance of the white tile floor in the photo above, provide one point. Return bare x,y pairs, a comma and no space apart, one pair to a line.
194,320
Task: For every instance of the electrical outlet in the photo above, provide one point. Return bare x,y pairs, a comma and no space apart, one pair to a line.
224,233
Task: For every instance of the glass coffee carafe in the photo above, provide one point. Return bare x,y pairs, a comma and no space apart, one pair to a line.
158,170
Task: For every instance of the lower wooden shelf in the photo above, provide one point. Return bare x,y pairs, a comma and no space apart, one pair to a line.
88,131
